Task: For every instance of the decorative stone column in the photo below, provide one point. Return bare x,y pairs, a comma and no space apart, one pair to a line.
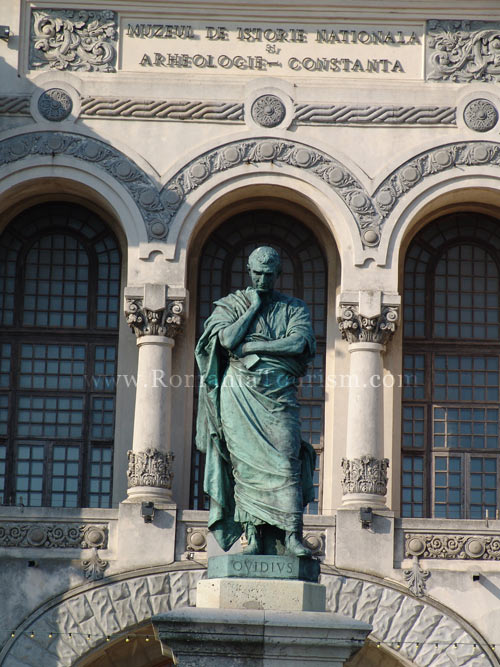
367,321
155,316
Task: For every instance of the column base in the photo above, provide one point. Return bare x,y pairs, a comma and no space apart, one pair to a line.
139,494
254,638
356,500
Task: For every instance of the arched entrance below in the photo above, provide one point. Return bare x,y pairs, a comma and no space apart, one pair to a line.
137,649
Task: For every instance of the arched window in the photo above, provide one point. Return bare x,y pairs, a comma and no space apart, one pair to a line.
59,303
451,400
223,269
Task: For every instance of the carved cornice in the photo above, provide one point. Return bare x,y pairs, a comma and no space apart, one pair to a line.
357,328
143,321
150,468
73,40
365,475
454,546
382,114
462,51
53,535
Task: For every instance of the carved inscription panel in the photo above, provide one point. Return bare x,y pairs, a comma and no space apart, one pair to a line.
333,50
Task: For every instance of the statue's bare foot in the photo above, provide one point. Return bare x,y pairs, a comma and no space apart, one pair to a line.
294,546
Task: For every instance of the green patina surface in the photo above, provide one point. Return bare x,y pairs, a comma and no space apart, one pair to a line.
263,567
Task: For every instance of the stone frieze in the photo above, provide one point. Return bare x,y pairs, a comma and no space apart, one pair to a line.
53,535
462,546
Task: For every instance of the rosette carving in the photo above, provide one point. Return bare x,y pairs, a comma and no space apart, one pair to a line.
365,475
74,40
268,111
480,115
356,328
150,468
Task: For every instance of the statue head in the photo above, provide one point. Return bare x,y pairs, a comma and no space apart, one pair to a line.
264,266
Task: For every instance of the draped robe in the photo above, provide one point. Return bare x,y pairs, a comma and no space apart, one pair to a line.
257,468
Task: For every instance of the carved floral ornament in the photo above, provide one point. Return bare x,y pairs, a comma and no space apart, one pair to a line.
67,39
356,328
455,546
53,535
146,322
150,468
159,206
365,475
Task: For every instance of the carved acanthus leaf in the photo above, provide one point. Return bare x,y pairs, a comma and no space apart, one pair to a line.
416,578
150,468
74,39
356,328
146,322
94,567
365,475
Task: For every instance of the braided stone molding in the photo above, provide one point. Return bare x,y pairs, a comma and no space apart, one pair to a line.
138,184
114,107
365,475
150,468
452,546
417,629
357,328
18,105
462,51
480,115
144,321
73,40
55,104
262,150
85,617
386,114
51,535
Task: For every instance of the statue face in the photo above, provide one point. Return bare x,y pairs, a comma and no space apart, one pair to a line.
263,276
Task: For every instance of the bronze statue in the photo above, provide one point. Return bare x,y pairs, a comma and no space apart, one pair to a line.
258,472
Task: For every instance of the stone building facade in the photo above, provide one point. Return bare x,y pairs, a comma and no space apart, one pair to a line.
145,149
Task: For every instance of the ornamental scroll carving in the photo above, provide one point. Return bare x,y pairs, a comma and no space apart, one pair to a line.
365,475
147,322
463,51
53,535
150,468
73,40
454,546
356,328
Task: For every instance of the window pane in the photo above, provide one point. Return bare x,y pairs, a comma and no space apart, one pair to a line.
448,487
412,487
100,477
29,475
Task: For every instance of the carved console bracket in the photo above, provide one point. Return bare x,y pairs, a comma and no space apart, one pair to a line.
365,475
368,317
154,310
150,468
415,577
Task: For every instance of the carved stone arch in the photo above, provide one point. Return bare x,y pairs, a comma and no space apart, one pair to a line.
422,632
426,179
94,157
237,157
81,620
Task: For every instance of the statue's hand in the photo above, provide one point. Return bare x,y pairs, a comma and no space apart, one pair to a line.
255,299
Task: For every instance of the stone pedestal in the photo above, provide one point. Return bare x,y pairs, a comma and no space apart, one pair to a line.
259,611
255,638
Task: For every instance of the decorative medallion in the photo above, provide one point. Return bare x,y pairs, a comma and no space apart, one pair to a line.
480,115
55,104
268,111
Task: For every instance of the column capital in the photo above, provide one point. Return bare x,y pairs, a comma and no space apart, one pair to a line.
155,310
150,467
366,475
368,317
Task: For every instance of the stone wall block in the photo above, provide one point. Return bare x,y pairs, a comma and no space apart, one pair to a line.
390,604
159,593
368,603
120,595
139,598
104,611
423,627
351,593
333,590
403,621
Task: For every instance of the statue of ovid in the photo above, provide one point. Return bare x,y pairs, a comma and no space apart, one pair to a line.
255,346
